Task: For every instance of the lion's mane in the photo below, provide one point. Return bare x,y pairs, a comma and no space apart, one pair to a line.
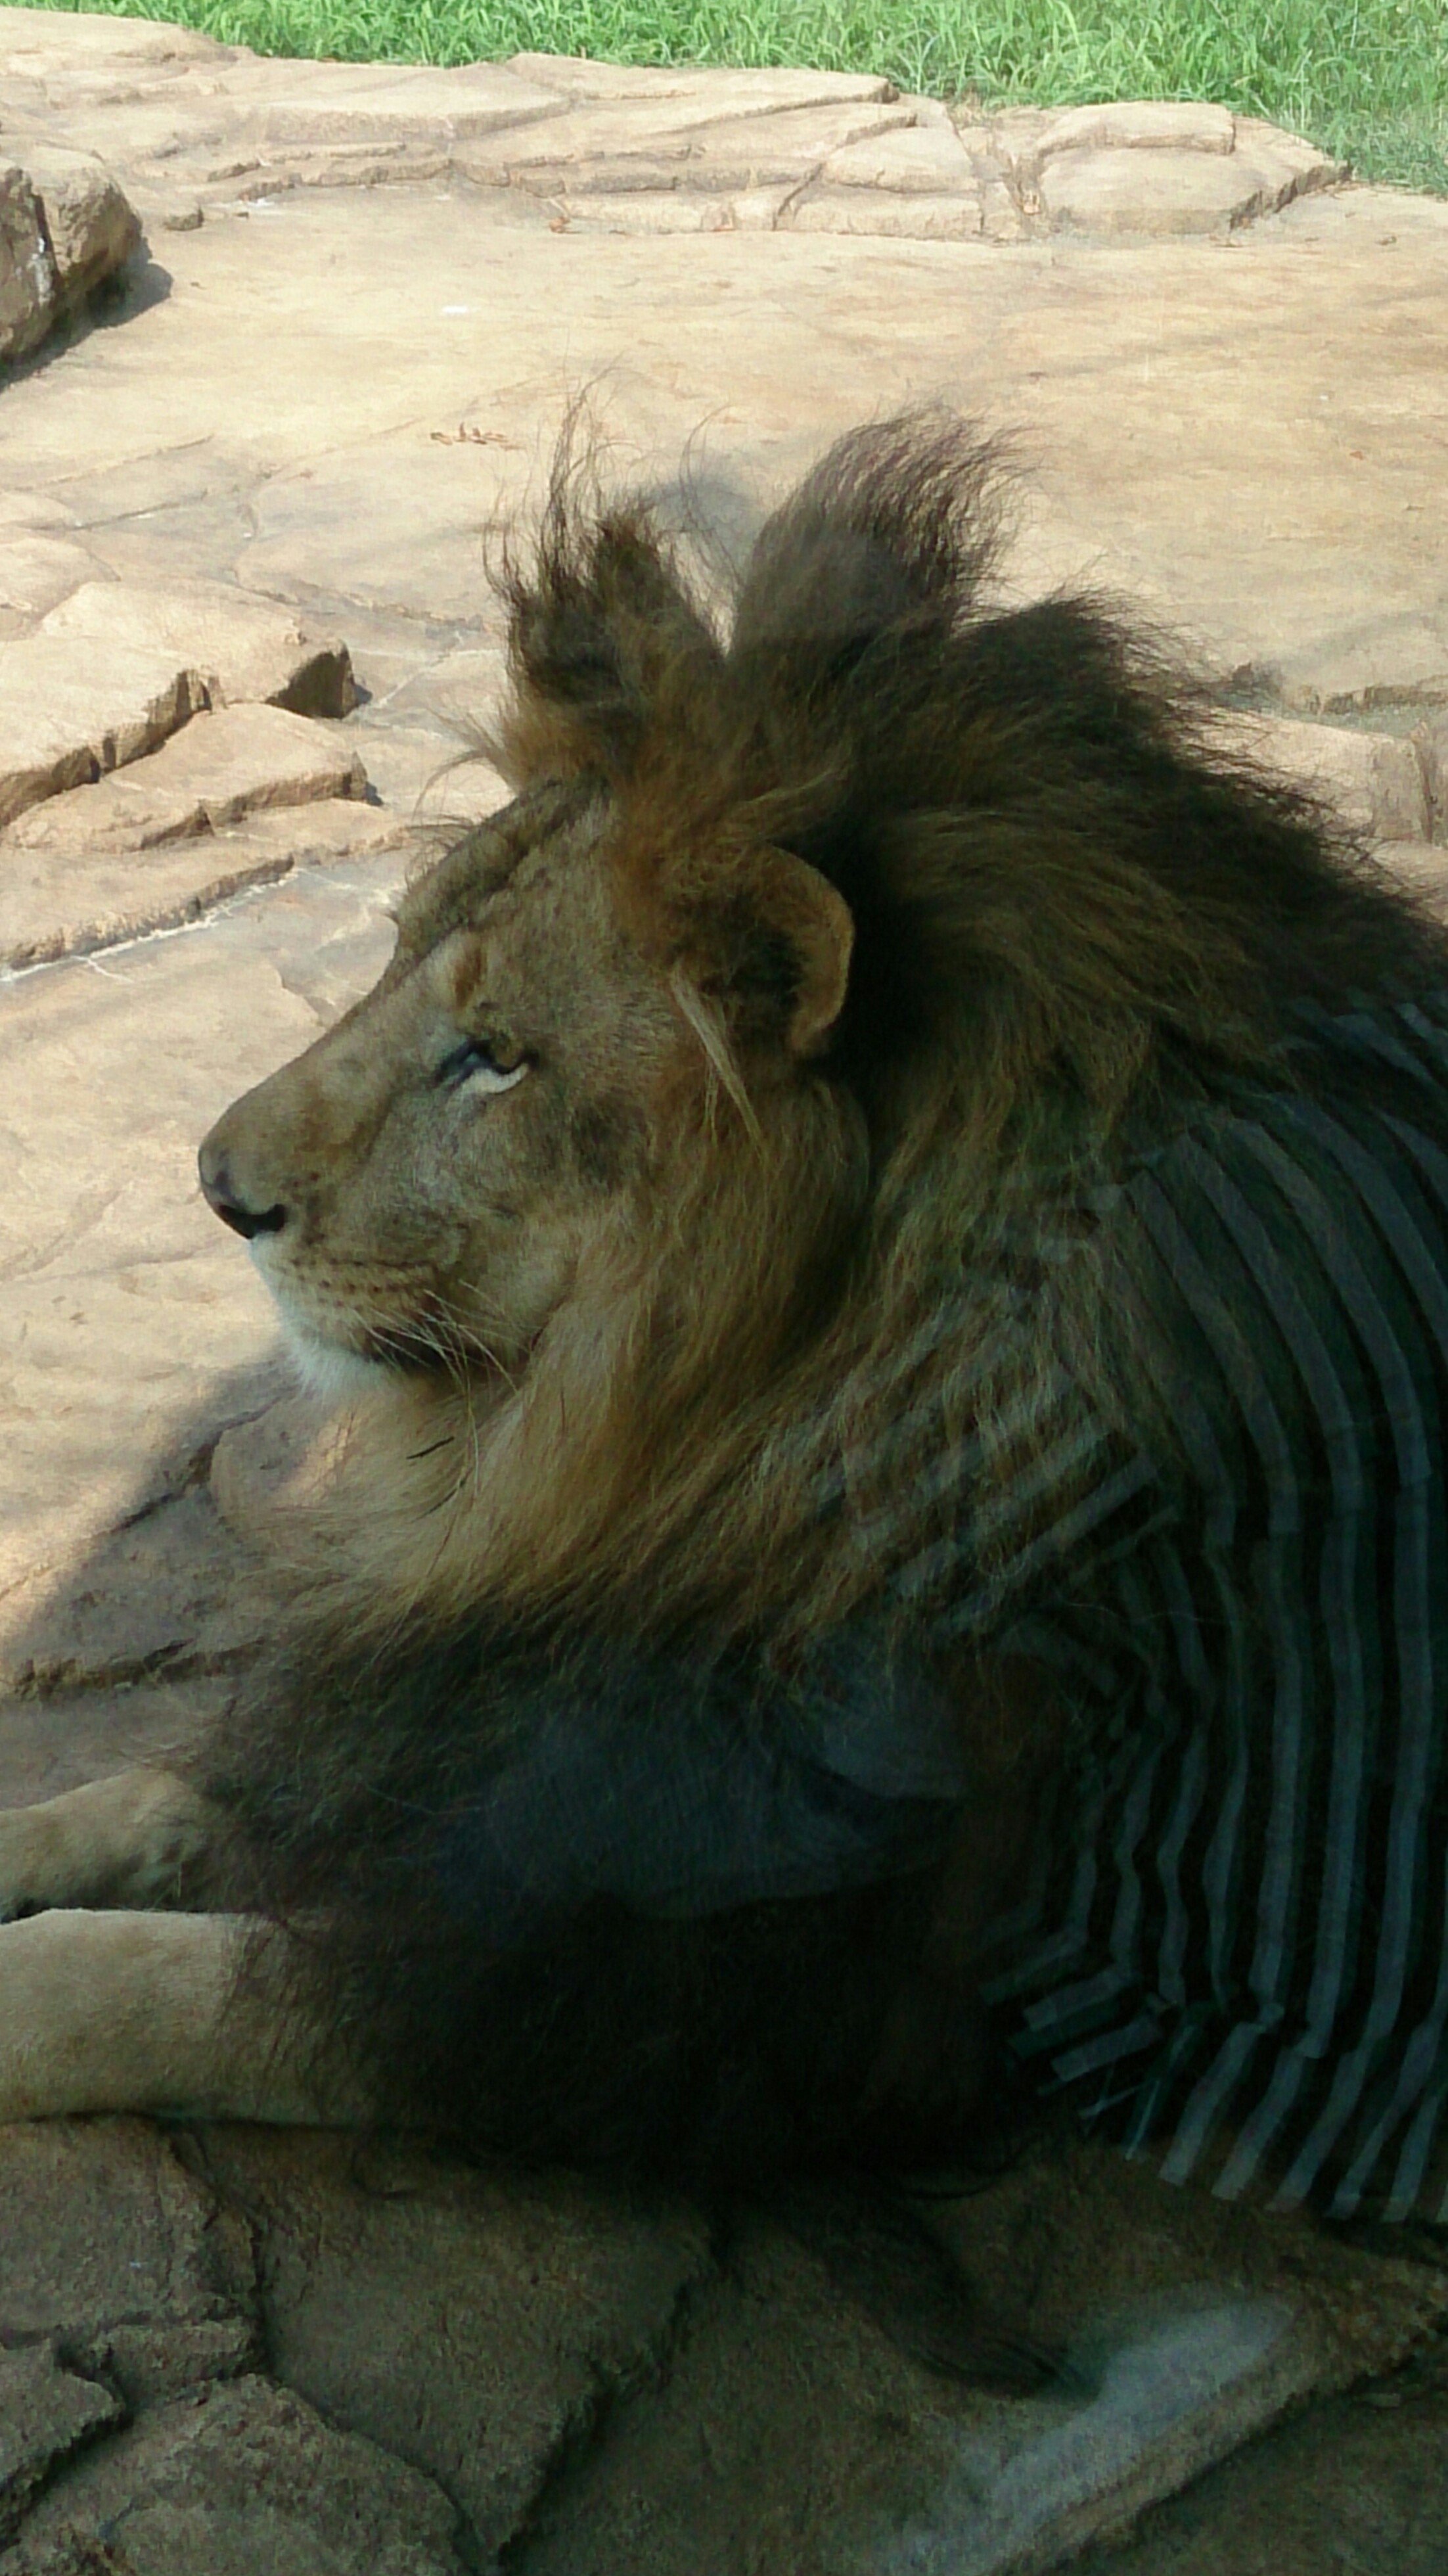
1075,920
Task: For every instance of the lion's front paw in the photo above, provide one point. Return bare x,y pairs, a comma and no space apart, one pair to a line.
128,1840
32,1869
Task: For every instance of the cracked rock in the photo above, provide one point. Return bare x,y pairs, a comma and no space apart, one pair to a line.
1191,2324
65,227
234,2481
216,771
238,647
65,719
1376,782
507,2311
27,268
46,2412
117,2252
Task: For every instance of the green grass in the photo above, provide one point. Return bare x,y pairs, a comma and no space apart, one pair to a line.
1367,78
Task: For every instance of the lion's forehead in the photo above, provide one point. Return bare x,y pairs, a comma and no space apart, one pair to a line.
540,851
535,952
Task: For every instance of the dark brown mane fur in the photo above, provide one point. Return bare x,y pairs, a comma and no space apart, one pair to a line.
1073,918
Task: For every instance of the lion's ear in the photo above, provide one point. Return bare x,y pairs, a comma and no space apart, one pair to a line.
766,949
813,918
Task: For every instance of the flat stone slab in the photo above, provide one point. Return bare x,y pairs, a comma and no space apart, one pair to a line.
240,647
63,721
108,1246
46,2412
1193,2325
118,2256
1360,2484
1386,785
231,2480
196,134
238,761
477,2329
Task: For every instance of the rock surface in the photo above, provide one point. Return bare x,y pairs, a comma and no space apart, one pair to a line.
242,563
192,127
65,229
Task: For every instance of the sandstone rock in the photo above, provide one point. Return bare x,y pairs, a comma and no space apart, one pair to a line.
1375,781
507,2315
232,2481
63,900
692,144
65,720
32,510
645,214
60,1740
731,93
1419,865
1395,659
912,160
236,800
36,40
133,1329
91,228
372,103
166,1591
36,573
217,769
68,901
1163,193
1134,125
238,646
116,2252
1430,742
429,774
27,268
46,2412
1015,132
920,215
1192,2324
1314,167
1359,2485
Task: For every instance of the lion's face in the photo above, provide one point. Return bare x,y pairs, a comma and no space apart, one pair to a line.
423,1184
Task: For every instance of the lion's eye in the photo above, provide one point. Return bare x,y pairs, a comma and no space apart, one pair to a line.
475,1064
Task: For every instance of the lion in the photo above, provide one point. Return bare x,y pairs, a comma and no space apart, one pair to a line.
881,1253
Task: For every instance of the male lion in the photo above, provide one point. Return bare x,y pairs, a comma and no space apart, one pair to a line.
885,1237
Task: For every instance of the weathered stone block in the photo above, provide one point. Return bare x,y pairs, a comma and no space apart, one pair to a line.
28,282
473,2326
65,719
92,229
913,161
919,216
232,2481
1375,781
111,2247
239,647
46,2412
216,770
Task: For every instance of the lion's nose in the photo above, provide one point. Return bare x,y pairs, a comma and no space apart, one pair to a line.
220,1193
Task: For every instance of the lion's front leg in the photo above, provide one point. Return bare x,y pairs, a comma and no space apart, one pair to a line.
123,1841
126,2011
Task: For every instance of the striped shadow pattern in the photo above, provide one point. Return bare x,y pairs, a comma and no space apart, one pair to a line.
1234,1949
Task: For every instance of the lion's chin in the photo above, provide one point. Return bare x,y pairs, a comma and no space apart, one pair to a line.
335,1372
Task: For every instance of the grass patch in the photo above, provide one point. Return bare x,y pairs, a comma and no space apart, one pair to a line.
1366,78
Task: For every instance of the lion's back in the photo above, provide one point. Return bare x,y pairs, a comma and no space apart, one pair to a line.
1245,1962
